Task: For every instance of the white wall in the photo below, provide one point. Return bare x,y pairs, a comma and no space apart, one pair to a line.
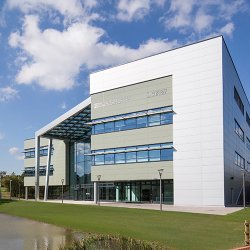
198,120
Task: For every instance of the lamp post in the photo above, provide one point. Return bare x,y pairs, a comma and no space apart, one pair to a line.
98,188
244,187
10,189
160,174
19,188
62,180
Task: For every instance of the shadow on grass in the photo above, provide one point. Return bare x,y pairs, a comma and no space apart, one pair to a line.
5,201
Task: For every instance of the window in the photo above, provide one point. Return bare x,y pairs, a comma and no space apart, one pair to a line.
130,123
130,157
142,153
142,156
238,130
99,159
125,122
166,154
238,101
120,158
109,159
247,119
239,160
248,143
119,125
142,122
154,155
109,127
166,118
99,128
154,120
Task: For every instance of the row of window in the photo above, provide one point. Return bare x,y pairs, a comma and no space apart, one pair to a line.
133,123
133,148
42,171
30,153
239,131
241,105
149,155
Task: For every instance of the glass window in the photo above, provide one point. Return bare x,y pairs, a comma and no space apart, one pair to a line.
248,143
99,159
130,157
142,156
99,128
120,125
239,160
166,154
109,159
130,123
247,119
120,158
142,122
238,101
166,118
93,129
154,120
109,127
238,130
154,155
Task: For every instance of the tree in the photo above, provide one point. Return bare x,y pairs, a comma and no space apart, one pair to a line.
17,184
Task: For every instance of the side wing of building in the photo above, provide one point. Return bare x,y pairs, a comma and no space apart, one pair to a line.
57,167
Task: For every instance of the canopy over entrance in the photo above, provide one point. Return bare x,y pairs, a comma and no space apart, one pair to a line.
73,126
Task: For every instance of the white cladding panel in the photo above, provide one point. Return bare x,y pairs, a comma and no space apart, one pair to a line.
198,120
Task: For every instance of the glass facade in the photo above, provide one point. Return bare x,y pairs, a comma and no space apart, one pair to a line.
80,186
137,191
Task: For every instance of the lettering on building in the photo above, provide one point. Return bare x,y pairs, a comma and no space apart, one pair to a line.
158,92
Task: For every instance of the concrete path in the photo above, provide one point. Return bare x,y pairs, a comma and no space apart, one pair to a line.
189,209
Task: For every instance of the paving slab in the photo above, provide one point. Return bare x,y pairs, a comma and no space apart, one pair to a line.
216,210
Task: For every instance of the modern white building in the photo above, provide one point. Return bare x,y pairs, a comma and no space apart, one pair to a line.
183,112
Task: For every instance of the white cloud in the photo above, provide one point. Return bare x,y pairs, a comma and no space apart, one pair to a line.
1,136
202,21
201,16
56,57
13,150
63,105
130,10
227,29
16,153
7,93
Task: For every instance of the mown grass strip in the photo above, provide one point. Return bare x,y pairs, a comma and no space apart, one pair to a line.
172,229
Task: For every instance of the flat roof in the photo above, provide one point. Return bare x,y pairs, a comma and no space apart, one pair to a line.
72,125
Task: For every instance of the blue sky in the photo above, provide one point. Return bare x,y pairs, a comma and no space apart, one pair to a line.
49,47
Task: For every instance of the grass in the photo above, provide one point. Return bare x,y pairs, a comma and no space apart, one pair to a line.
172,229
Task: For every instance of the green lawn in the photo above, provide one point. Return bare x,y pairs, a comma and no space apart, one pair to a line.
173,229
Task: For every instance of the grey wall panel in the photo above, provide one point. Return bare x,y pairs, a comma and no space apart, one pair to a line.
142,96
135,171
143,136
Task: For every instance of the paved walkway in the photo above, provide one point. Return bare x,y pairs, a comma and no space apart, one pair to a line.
189,209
